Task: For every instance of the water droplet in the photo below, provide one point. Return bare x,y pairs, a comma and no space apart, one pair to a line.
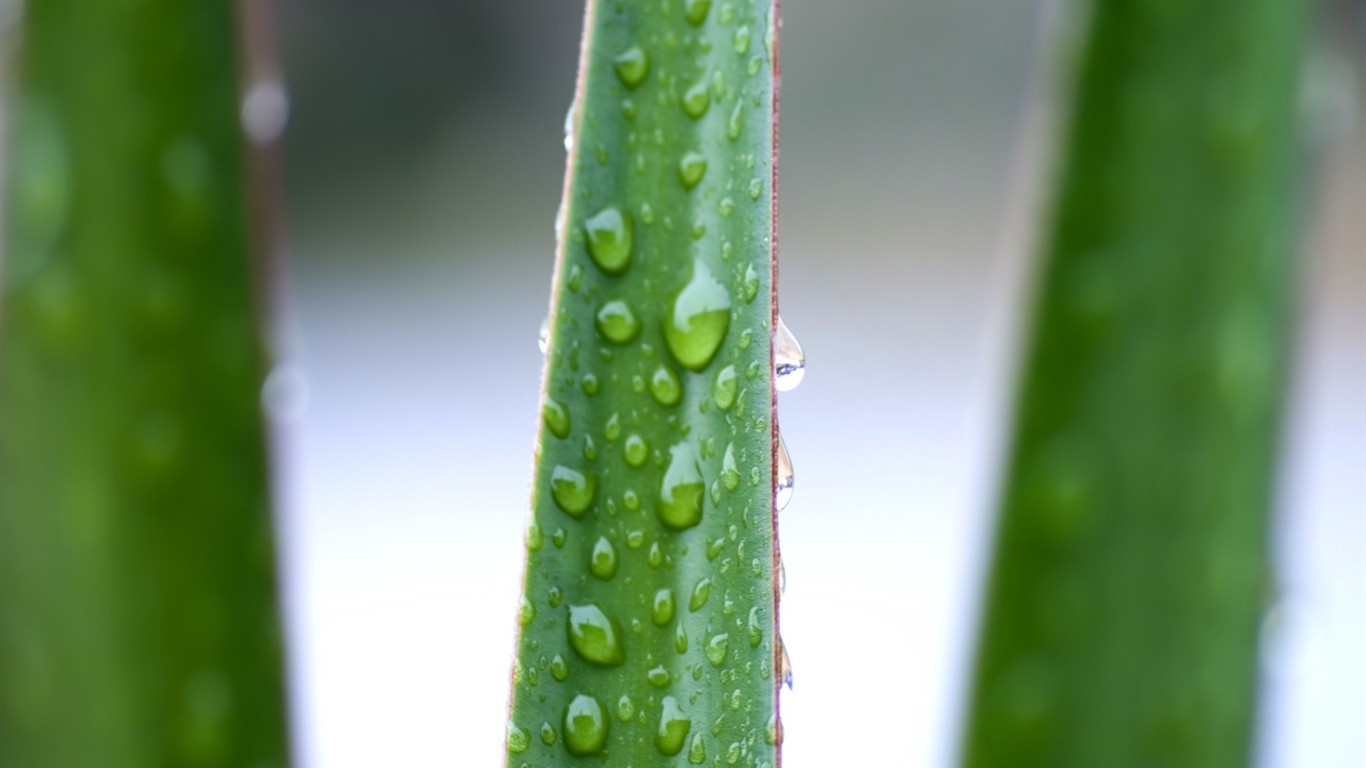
656,556
696,100
632,65
789,363
735,121
617,323
724,387
741,40
695,11
554,596
698,319
572,490
589,384
725,207
626,709
680,495
575,281
756,187
548,734
595,636
691,169
673,727
680,638
527,614
636,450
756,628
556,417
782,493
559,668
603,562
569,127
663,611
543,338
630,499
559,537
700,592
585,726
609,240
784,664
773,730
518,739
665,386
733,753
635,538
730,473
717,648
535,539
265,111
751,284
658,676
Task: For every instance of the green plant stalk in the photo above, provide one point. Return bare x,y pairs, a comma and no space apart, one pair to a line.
1123,609
138,616
649,619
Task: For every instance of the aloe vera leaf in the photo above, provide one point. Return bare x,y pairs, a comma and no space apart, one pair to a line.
649,619
1123,609
138,617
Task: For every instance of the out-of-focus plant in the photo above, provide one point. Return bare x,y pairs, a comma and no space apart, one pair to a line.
138,618
1130,574
649,620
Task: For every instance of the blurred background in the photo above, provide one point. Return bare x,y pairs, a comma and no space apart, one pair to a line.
424,161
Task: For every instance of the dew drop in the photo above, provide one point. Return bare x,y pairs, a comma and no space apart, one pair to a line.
595,636
663,610
696,100
559,668
518,739
784,664
609,240
626,709
603,562
632,65
612,429
773,730
535,539
658,676
755,628
751,284
559,537
569,127
691,169
680,495
548,734
527,613
756,187
589,384
700,592
665,386
789,364
543,338
630,499
617,322
741,40
735,121
725,207
695,11
717,647
730,473
556,417
673,727
636,450
585,726
724,387
656,556
782,494
575,281
572,490
553,596
680,638
698,319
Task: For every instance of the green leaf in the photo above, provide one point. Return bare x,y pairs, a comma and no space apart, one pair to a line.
649,621
1130,574
138,618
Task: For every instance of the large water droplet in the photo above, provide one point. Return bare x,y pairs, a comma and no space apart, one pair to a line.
556,417
717,647
681,494
609,239
617,322
585,726
595,636
789,364
632,65
700,592
782,493
663,610
673,727
696,100
698,319
603,562
572,490
518,739
665,386
691,169
695,11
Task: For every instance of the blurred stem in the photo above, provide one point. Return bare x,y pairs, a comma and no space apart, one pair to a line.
138,620
1130,575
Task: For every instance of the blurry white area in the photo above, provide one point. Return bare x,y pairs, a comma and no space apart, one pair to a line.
412,456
